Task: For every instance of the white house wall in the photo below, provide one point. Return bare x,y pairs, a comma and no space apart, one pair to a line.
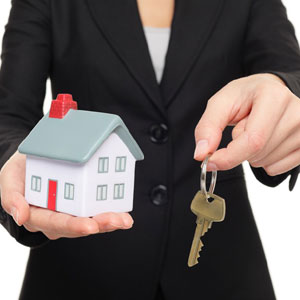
62,172
113,146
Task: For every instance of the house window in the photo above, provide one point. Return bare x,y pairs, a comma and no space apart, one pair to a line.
69,191
119,191
120,163
36,182
101,192
103,165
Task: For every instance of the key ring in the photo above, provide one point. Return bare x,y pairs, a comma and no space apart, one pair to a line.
203,178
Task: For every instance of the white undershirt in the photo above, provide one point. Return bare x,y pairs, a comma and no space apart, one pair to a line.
158,42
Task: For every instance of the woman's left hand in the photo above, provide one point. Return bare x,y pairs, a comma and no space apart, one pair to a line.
266,116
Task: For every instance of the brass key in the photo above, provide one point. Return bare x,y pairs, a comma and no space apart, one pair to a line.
206,212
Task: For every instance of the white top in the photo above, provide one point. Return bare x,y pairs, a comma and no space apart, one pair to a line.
158,42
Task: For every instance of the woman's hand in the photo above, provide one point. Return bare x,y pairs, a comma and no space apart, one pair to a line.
53,224
266,115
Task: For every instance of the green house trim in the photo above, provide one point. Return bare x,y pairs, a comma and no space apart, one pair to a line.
79,134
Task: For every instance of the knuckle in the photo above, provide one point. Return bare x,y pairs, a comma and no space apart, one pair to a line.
5,203
270,171
256,141
53,221
30,228
262,88
202,126
256,164
227,164
51,236
106,223
279,93
236,131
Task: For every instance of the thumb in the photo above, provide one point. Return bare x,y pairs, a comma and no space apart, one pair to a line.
12,180
15,205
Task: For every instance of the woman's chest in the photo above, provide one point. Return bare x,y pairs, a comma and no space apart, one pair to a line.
101,45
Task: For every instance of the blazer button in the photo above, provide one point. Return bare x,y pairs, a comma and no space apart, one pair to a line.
158,133
159,195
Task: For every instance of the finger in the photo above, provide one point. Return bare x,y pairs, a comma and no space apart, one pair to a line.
30,228
59,223
251,142
208,132
289,162
15,205
245,146
285,135
107,222
12,189
227,107
52,236
279,149
55,236
112,221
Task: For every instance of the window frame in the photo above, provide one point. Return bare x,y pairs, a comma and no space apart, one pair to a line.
104,159
118,185
118,163
68,197
34,187
101,186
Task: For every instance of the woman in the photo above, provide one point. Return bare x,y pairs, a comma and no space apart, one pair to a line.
241,55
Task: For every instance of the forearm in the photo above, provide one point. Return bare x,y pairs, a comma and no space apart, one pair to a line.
273,50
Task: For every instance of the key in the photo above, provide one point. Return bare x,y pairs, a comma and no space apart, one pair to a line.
207,213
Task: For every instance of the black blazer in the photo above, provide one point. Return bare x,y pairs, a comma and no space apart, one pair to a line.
96,50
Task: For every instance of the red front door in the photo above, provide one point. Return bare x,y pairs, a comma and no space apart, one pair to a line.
52,188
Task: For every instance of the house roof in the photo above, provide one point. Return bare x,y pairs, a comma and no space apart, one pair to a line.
77,136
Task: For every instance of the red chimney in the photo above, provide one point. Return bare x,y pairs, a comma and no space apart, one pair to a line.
61,106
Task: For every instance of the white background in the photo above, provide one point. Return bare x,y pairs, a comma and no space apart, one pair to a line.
276,211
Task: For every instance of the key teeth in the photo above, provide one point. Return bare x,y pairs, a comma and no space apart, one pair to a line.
199,249
195,262
207,228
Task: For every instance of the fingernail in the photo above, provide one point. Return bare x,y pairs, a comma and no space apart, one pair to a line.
211,167
201,148
15,214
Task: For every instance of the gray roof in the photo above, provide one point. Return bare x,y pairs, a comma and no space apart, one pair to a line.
77,136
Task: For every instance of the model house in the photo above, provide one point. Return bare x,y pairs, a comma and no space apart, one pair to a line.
80,162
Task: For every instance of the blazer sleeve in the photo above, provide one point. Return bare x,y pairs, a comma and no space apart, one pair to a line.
26,55
271,47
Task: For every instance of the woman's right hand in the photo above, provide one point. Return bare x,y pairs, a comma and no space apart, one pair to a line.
53,224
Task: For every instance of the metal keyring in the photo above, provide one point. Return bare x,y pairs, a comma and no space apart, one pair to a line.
203,178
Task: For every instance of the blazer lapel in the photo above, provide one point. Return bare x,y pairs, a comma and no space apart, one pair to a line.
192,24
120,23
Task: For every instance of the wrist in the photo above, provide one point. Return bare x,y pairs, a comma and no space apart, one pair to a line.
274,78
